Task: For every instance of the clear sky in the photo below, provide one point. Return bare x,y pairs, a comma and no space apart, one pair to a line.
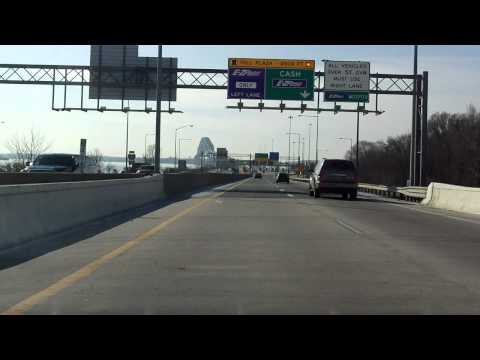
453,84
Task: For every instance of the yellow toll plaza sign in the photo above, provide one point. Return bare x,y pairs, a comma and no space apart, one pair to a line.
272,63
271,79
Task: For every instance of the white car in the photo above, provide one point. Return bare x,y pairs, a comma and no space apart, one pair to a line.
62,163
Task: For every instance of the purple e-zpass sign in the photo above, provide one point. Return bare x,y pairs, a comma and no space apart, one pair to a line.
246,83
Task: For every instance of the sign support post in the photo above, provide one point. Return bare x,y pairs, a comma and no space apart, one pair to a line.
358,124
158,123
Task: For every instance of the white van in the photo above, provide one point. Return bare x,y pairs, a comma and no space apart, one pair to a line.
62,163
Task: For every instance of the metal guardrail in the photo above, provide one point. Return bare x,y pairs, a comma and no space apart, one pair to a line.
409,193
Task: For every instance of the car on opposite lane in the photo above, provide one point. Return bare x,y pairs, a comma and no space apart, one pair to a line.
62,163
146,170
334,176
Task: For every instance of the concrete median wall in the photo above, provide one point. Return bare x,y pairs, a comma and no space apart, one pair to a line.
32,211
38,178
453,197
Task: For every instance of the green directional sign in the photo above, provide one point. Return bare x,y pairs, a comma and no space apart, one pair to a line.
289,84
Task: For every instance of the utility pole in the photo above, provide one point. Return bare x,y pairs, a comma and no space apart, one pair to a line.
158,122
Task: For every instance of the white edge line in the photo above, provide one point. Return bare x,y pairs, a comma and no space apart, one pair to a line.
439,214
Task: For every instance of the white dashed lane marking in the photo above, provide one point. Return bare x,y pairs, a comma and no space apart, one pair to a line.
349,227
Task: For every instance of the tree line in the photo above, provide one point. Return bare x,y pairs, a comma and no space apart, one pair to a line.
453,153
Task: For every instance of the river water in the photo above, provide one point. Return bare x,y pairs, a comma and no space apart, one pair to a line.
117,165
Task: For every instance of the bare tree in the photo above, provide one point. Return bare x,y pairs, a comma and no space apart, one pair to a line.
150,155
97,156
109,169
453,156
27,147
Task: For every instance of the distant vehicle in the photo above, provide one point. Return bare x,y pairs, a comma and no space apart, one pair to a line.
257,175
61,163
146,170
334,176
132,169
283,177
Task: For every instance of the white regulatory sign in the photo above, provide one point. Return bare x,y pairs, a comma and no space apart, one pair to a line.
246,85
347,76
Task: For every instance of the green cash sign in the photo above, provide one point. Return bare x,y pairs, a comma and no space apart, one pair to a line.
289,84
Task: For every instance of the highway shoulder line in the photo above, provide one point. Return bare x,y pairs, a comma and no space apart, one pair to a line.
41,296
415,208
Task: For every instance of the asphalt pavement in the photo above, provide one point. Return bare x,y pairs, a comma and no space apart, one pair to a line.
257,247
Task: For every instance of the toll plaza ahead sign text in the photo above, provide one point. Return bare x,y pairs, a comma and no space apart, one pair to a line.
271,79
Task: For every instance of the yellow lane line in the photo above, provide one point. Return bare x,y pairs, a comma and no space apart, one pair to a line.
39,297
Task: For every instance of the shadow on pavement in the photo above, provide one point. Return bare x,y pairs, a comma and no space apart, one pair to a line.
38,247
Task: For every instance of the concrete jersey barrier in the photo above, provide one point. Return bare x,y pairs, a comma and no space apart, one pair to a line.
31,211
453,197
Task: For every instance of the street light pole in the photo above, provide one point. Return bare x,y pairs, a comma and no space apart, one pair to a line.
309,131
299,135
179,143
146,145
289,130
351,146
303,150
293,149
126,141
181,127
316,139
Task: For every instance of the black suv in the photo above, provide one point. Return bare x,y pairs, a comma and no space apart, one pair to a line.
334,176
283,177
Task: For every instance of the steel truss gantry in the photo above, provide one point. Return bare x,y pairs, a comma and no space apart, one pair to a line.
216,79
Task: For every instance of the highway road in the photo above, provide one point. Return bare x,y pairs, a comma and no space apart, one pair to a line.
256,247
